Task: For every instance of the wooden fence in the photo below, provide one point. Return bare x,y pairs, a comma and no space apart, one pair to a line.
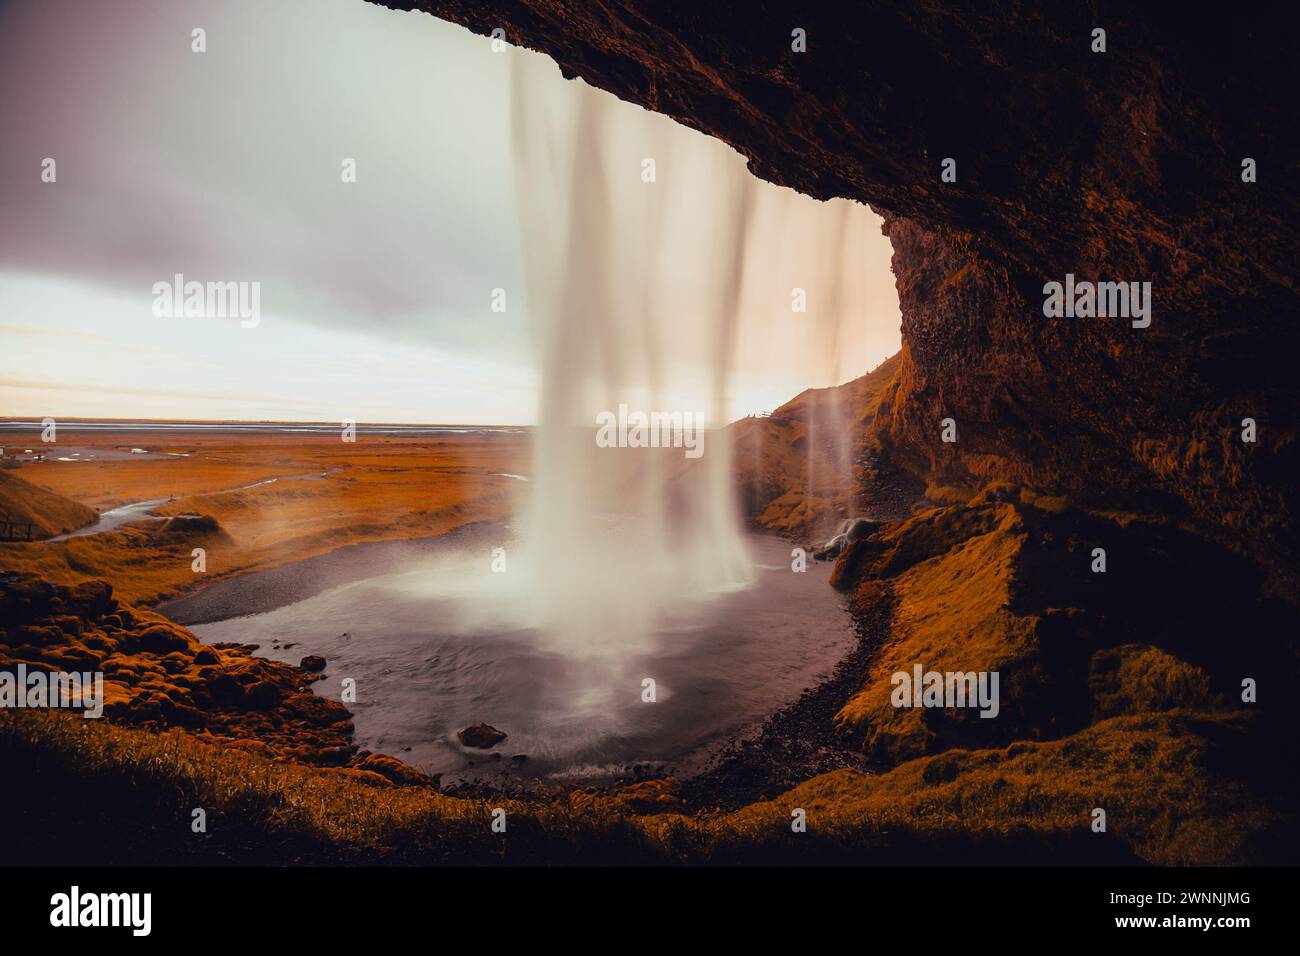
11,529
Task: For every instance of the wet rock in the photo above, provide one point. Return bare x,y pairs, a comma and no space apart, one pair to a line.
481,736
831,549
313,663
850,531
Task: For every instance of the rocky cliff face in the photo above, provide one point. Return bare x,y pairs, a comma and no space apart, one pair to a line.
1124,165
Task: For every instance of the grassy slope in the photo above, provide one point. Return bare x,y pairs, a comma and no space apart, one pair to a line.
1166,782
1171,785
798,470
145,786
49,513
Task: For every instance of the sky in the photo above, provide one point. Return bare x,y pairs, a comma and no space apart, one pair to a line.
375,295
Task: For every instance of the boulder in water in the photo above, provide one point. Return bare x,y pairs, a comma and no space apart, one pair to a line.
831,549
849,531
481,736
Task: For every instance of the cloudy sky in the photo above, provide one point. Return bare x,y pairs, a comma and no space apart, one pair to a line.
225,166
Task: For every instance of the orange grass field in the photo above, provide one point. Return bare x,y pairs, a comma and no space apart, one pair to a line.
328,494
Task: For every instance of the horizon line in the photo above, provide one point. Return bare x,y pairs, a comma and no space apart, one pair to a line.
121,419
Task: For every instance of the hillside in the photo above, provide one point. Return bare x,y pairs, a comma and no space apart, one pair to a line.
48,513
811,462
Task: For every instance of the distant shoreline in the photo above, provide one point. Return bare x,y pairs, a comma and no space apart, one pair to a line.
18,427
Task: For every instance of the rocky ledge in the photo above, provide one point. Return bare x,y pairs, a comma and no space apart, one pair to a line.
159,676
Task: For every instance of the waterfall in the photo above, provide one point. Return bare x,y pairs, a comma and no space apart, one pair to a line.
650,252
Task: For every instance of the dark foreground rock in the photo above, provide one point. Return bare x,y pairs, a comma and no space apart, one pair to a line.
481,736
158,676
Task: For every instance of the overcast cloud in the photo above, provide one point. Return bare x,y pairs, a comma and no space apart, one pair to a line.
226,166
